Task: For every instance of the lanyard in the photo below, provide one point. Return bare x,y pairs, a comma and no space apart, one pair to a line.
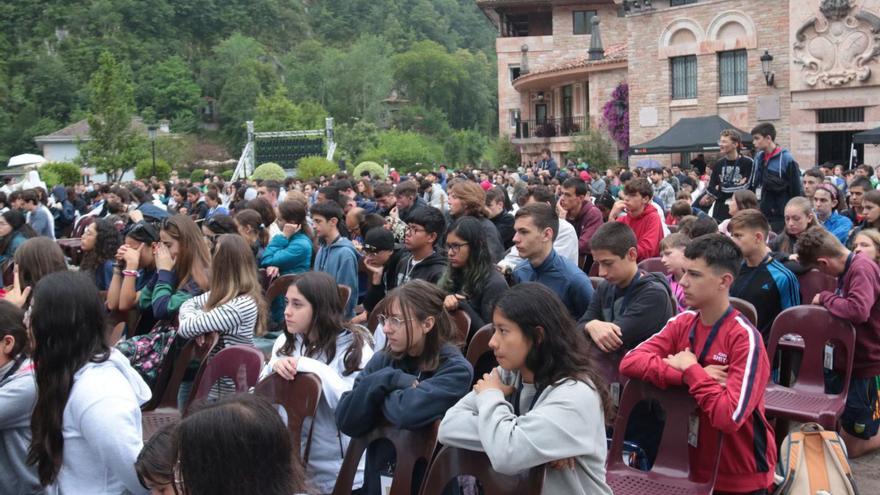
840,278
627,294
518,394
748,278
712,334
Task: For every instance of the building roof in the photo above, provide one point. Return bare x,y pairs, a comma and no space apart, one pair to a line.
613,53
80,131
559,73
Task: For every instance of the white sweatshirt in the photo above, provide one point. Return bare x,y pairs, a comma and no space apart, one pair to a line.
565,420
102,429
328,443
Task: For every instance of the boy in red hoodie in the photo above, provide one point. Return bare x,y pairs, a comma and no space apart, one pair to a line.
857,300
641,217
720,357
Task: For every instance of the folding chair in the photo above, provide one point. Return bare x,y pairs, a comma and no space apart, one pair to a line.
299,398
451,462
162,408
411,447
241,363
806,400
746,308
672,472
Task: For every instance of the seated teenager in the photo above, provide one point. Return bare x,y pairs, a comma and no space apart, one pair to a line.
545,403
87,420
258,458
155,462
315,340
289,252
499,214
100,242
336,255
14,230
643,219
825,204
536,226
413,380
422,261
672,256
867,243
253,230
135,268
471,280
799,217
857,301
762,280
34,260
870,207
18,393
576,207
381,256
467,198
718,355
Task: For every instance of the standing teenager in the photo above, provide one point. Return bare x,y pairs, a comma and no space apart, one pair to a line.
732,172
778,176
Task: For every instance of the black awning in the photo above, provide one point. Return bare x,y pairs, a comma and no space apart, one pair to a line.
867,137
696,134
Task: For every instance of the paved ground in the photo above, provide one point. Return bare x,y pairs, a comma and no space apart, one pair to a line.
867,473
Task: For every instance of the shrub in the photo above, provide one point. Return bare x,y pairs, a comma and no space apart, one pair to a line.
227,175
376,171
595,149
55,173
312,167
502,152
405,151
269,171
144,169
197,175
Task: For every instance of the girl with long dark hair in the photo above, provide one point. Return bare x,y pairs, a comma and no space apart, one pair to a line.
545,403
100,241
14,230
413,380
317,340
253,230
291,251
35,259
87,422
467,198
471,280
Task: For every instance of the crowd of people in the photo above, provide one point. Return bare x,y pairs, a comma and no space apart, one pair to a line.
513,248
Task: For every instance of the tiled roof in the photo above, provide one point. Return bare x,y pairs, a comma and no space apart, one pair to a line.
77,129
613,53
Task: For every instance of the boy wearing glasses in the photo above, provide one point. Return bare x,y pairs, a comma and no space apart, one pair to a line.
424,228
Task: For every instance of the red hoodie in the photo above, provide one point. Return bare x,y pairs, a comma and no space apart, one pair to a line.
748,457
648,229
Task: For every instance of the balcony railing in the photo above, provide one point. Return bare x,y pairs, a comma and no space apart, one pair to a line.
547,128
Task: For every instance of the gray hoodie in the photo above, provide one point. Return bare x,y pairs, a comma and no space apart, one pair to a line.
18,393
564,420
102,432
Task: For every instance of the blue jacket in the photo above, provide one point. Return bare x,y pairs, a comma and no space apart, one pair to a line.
17,240
293,255
838,225
561,276
340,260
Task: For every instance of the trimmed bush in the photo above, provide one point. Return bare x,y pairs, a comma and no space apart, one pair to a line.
55,173
144,169
269,171
405,151
227,175
376,171
312,167
197,175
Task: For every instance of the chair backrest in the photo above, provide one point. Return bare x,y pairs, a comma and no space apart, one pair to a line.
596,281
462,322
816,326
771,236
240,363
82,225
608,365
411,447
299,398
173,369
451,462
673,456
8,273
344,294
814,282
594,269
652,265
264,279
279,286
746,308
479,344
373,318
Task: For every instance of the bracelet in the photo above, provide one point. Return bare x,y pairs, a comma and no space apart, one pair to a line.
129,273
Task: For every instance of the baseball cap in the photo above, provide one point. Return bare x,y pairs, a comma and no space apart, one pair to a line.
378,239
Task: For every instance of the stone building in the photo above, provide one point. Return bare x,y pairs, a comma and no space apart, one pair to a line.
817,83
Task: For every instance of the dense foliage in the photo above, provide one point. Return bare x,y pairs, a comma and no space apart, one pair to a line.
285,64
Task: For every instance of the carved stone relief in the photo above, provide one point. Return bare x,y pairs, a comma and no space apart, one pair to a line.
837,47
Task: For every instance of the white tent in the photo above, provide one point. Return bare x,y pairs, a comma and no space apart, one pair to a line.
26,159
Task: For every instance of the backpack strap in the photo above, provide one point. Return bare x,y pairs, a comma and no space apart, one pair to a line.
795,445
833,445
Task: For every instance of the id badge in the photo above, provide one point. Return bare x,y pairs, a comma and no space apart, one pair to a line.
615,393
693,430
385,483
828,360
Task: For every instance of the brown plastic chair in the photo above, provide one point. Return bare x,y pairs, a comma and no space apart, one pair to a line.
299,398
373,318
594,269
746,308
264,279
411,447
8,273
652,265
240,363
344,294
814,282
608,365
162,408
672,472
451,462
462,322
72,248
806,401
279,286
479,344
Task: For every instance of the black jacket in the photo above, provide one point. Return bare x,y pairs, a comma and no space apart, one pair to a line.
429,269
504,223
375,293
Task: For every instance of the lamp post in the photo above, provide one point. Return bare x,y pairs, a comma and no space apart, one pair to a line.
769,75
153,131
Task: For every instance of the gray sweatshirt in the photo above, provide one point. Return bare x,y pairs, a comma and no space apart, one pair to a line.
18,393
565,420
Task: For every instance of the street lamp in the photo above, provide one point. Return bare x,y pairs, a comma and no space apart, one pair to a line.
153,131
766,60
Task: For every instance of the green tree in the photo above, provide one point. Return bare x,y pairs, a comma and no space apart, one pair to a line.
55,173
277,113
168,88
405,151
145,170
464,147
313,167
502,152
354,139
594,148
114,145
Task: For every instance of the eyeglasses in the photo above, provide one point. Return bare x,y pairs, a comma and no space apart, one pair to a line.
393,321
454,247
410,230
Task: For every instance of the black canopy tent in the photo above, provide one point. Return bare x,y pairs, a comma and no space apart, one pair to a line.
695,134
867,137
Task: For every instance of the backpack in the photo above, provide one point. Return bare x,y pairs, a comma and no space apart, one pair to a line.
813,461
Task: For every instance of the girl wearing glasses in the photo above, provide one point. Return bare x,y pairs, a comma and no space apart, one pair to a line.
87,421
471,280
413,380
316,340
545,403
